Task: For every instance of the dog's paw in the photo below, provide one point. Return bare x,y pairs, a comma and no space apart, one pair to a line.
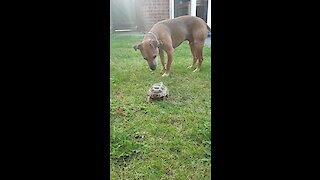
196,70
165,75
190,67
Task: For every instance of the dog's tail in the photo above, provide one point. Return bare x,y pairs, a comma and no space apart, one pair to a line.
209,29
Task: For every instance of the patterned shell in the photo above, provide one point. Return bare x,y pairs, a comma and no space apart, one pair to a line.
158,90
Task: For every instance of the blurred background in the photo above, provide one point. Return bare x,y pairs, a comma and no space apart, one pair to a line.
141,15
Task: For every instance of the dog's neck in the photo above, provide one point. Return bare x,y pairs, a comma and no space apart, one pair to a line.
153,35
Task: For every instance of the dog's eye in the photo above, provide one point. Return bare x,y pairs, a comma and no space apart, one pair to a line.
145,58
154,57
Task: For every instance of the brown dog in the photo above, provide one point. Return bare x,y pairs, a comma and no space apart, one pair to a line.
168,34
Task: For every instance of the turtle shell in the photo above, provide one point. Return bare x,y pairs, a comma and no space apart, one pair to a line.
158,90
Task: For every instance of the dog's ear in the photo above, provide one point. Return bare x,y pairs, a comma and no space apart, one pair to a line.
137,46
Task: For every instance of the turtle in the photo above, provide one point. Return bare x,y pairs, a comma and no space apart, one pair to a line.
158,91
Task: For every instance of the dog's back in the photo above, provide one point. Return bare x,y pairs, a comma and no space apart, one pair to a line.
184,28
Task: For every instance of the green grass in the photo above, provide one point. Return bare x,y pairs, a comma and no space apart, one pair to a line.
168,139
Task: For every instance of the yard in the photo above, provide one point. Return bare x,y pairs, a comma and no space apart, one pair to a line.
168,139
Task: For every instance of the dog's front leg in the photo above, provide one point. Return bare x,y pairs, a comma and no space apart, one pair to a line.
170,54
162,60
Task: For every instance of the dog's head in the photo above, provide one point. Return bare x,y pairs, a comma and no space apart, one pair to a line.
149,51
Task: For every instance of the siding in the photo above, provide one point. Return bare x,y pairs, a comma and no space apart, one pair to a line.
150,12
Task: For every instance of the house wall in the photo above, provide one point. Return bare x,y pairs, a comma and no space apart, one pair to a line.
146,12
150,12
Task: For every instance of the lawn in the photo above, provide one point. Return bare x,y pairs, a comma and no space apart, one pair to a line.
168,139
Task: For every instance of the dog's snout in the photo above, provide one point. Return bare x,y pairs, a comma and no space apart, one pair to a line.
153,64
153,68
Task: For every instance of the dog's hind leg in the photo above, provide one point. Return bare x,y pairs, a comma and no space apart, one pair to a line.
199,48
194,55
